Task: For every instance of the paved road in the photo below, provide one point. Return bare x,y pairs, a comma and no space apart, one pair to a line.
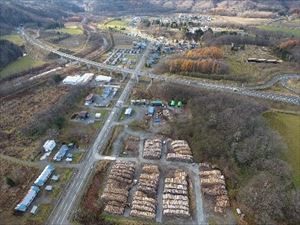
294,100
63,210
274,80
198,84
48,48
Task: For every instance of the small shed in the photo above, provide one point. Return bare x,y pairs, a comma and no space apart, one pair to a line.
173,103
157,103
179,104
34,209
98,115
49,188
55,177
128,112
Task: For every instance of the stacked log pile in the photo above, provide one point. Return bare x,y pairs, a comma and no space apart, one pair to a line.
213,185
152,148
166,114
179,150
144,199
175,196
132,144
117,188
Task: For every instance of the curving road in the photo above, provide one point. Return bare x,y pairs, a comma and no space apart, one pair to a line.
282,78
295,100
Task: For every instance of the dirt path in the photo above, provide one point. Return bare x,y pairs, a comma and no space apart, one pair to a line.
37,164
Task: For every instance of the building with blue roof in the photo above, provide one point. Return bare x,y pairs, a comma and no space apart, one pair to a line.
151,110
44,176
107,91
27,200
61,153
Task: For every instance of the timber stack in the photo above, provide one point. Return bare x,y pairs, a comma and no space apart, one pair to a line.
117,188
179,150
152,148
175,196
213,186
144,199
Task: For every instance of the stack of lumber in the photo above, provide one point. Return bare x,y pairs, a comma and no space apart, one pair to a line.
117,188
175,196
179,150
213,185
152,148
144,199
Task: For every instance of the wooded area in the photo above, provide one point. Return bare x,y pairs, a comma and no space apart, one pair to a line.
230,132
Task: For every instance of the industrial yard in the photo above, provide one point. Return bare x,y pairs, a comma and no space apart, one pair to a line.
149,112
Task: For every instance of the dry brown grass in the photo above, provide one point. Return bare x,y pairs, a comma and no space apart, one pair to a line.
11,196
17,111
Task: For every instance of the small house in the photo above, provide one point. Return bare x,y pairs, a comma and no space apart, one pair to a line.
61,153
89,99
83,115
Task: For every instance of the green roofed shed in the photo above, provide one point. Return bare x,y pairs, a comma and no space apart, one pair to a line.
173,103
179,104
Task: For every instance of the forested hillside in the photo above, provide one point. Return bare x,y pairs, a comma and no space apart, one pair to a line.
40,13
226,7
9,53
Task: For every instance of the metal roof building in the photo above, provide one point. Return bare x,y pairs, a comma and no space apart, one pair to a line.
41,180
61,153
128,112
151,110
49,145
106,92
157,103
31,194
102,78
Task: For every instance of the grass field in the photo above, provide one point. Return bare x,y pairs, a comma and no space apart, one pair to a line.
288,126
14,38
21,64
72,30
239,20
294,32
294,84
255,72
117,24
